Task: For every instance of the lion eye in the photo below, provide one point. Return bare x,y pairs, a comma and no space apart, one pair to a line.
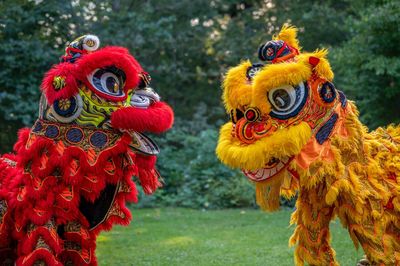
108,81
287,101
283,98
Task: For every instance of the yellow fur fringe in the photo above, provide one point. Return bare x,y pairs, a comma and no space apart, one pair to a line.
359,184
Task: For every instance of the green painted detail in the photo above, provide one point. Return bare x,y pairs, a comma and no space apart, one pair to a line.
96,110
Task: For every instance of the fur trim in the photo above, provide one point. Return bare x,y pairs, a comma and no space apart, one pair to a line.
110,56
277,75
288,34
158,118
254,156
338,168
237,90
67,72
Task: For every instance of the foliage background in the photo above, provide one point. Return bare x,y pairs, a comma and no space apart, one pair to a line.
187,46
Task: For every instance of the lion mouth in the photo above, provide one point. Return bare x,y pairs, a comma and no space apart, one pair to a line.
143,144
272,168
143,98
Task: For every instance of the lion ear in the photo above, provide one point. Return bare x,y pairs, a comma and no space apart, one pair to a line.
320,65
60,82
288,34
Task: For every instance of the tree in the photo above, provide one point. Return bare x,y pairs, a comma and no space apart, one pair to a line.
368,64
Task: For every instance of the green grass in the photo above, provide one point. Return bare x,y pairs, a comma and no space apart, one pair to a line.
175,236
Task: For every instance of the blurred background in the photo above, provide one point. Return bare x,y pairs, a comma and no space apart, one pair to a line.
187,46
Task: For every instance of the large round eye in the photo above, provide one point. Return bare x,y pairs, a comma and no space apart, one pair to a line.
108,81
288,100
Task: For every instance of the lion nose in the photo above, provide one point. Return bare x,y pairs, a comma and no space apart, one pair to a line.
252,114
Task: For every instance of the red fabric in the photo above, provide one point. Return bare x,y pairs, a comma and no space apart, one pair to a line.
110,56
313,61
41,190
43,183
147,173
68,72
77,72
158,118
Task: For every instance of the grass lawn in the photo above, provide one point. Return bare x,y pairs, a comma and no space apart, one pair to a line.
175,236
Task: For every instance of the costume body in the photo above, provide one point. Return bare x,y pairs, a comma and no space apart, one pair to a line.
70,175
293,132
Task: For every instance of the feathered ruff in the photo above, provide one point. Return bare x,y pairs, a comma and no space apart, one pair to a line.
362,184
158,118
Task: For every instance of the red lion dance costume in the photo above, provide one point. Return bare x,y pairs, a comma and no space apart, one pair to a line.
70,174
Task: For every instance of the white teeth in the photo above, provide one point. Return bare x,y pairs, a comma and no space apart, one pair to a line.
273,171
260,173
265,173
143,98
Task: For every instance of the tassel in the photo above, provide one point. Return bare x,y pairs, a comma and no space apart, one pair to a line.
147,173
267,193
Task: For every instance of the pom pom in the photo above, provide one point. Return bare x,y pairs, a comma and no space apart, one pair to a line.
90,43
60,82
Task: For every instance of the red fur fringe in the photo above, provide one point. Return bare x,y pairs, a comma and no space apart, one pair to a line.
68,72
147,174
78,72
158,118
36,255
50,188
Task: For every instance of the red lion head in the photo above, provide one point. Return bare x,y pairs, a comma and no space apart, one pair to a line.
104,88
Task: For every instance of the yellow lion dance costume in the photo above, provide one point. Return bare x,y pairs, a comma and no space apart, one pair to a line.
293,132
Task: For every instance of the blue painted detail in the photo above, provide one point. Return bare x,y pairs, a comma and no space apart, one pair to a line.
328,92
343,99
38,127
52,131
67,112
74,135
325,131
98,139
269,50
298,109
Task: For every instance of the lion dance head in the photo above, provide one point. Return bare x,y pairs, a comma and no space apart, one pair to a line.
104,88
283,112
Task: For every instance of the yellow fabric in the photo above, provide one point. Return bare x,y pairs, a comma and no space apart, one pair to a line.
287,141
353,175
288,34
237,90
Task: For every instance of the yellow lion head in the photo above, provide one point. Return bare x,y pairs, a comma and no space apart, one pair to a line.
283,114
